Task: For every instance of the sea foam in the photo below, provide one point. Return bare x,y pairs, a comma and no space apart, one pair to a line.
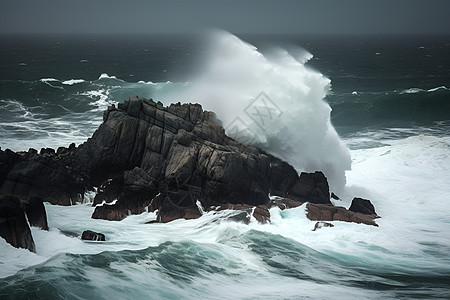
271,100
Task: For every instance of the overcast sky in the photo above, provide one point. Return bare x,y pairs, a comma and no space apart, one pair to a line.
251,16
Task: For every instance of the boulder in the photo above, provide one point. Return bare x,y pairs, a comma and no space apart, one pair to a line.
144,155
13,225
113,212
43,176
363,206
312,188
324,212
89,235
181,153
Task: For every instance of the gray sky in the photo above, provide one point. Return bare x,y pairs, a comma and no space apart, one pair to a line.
251,16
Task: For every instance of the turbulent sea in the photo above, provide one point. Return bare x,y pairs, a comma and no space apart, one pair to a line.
373,113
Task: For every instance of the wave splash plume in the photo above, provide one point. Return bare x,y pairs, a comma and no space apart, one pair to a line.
271,100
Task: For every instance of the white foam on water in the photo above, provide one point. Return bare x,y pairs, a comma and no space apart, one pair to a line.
406,180
73,81
102,98
48,81
271,100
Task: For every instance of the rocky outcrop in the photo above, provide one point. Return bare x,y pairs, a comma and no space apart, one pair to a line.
90,235
13,225
168,158
47,176
172,160
311,187
324,212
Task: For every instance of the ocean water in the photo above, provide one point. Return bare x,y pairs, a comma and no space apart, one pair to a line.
373,113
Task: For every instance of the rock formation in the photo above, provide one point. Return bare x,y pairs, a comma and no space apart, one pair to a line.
324,212
168,158
363,206
13,225
176,160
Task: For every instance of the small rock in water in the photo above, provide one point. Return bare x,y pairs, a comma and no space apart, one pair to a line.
92,236
363,206
322,224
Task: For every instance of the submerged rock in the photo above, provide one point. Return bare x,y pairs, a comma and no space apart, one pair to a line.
13,225
311,187
92,236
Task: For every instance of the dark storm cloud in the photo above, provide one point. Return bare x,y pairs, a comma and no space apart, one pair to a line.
251,16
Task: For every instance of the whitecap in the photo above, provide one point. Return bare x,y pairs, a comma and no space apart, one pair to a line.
104,75
48,79
411,91
73,81
438,88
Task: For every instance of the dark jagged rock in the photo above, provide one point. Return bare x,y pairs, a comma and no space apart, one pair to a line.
7,161
334,196
36,214
92,236
312,188
150,157
13,225
324,212
182,153
28,175
47,152
363,206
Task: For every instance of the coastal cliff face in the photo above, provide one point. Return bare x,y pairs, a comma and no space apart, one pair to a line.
176,160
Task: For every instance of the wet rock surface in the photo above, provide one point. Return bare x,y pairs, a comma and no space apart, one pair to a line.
324,212
13,224
145,156
90,235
